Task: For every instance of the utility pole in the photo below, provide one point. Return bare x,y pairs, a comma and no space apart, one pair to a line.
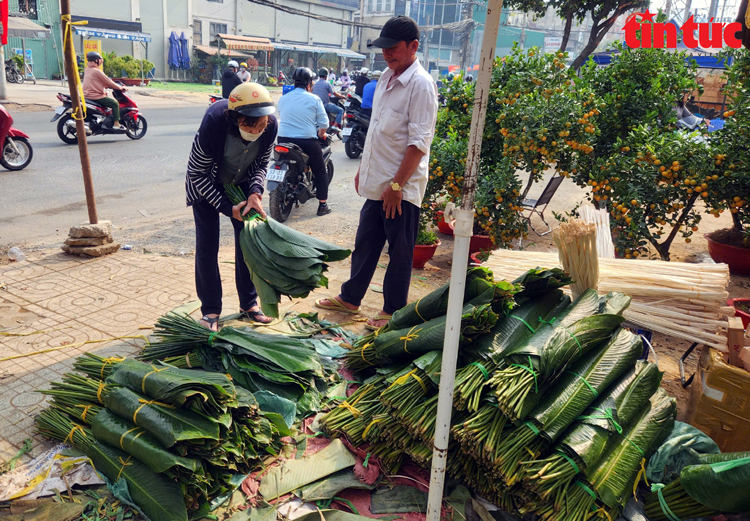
523,32
686,15
668,9
427,47
3,93
73,82
467,12
713,7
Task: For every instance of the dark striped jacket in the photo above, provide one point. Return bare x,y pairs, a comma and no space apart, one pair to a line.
201,182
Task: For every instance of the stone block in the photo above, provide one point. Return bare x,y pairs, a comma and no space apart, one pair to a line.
89,241
92,251
102,229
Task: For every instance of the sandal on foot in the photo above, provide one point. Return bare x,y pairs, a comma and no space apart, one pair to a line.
336,306
255,316
210,321
370,324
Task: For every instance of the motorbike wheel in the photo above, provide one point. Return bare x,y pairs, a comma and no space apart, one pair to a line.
20,78
136,129
17,161
351,148
13,75
280,208
66,133
329,170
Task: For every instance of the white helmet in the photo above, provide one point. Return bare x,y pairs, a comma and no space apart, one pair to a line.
376,75
364,70
233,63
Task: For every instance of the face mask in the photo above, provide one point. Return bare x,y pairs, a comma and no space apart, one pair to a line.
247,136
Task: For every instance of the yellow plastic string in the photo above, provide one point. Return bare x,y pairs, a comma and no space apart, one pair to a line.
125,463
421,383
401,380
409,337
416,310
122,438
148,402
85,411
362,353
69,437
99,392
350,408
606,514
68,34
155,370
367,429
107,361
641,474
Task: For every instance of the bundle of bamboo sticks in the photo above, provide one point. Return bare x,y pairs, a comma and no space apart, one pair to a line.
686,301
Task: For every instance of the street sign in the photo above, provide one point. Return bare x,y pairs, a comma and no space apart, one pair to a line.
92,45
552,43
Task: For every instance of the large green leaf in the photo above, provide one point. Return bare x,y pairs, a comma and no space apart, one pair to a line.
279,278
613,477
166,423
333,253
587,379
122,433
281,247
293,263
270,402
722,483
330,486
398,499
287,353
159,498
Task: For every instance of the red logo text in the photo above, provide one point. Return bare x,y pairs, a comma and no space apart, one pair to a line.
660,35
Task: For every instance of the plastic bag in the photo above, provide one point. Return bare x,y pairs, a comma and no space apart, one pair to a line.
682,447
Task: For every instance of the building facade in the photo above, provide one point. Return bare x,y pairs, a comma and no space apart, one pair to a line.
45,53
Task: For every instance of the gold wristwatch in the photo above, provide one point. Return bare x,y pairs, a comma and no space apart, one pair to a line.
395,186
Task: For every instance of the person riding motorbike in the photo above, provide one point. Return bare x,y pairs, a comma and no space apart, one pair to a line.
346,81
303,122
229,79
243,74
368,94
361,81
94,83
324,91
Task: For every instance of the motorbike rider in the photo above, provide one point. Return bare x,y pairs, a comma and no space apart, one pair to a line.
243,74
229,80
361,81
233,145
324,91
94,83
346,81
304,122
368,94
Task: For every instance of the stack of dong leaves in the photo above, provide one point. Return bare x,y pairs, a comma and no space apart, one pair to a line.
281,260
554,410
168,439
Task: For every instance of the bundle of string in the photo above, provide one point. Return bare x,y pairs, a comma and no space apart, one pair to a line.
576,245
599,218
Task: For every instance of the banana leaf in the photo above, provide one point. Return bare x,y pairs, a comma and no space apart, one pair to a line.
613,477
576,389
332,252
612,412
158,498
268,270
166,423
721,483
539,282
118,432
209,394
435,304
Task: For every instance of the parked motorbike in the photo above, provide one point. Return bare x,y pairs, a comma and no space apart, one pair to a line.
12,74
99,119
290,180
354,134
17,151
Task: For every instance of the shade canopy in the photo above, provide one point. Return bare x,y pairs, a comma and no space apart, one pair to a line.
20,27
245,43
339,51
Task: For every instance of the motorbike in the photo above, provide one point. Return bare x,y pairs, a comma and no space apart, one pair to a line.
353,102
354,134
99,118
17,151
290,180
213,98
12,74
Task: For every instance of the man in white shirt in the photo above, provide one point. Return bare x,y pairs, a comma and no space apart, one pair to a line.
393,173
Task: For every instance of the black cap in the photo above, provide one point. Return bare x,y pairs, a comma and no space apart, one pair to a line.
397,29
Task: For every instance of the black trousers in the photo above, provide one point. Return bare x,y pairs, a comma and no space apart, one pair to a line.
374,229
311,147
207,278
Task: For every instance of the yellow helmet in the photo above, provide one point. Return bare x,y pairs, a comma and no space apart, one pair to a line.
243,64
251,99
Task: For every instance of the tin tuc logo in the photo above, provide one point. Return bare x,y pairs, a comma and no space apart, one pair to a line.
659,35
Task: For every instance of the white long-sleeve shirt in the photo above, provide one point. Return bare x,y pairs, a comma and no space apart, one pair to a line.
404,111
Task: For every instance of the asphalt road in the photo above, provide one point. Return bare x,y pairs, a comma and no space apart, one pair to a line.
139,185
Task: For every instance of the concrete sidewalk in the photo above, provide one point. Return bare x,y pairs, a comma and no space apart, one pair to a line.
54,307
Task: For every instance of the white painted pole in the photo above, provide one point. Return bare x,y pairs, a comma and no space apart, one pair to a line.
462,233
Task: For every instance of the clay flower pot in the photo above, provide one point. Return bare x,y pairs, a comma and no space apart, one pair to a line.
744,315
479,243
475,258
444,227
423,253
738,259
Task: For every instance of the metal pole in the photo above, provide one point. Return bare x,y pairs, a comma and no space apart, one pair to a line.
462,233
3,93
83,148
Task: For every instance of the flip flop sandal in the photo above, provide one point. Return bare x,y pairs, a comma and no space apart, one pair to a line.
254,316
336,306
376,318
211,321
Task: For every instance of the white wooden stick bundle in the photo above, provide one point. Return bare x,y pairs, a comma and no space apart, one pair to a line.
600,219
576,245
686,301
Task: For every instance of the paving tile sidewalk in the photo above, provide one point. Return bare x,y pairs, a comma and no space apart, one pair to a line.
68,306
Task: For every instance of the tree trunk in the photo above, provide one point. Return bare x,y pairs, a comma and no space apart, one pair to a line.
566,31
736,221
663,248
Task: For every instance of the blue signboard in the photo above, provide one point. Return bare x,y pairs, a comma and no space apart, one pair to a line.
112,34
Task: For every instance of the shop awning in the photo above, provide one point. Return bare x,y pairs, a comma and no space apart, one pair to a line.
20,27
246,43
339,51
111,34
211,51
